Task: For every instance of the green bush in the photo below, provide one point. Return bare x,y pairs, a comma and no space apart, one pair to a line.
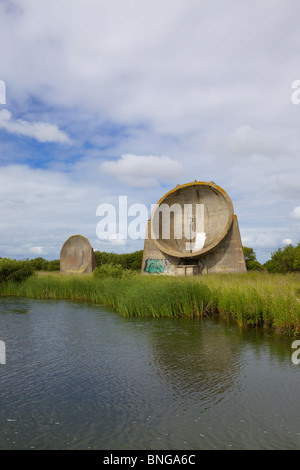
296,264
39,264
250,259
284,260
131,261
108,270
53,265
13,270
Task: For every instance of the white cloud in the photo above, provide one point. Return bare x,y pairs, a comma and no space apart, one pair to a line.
247,141
270,237
176,65
296,213
143,171
117,239
185,79
41,131
40,209
37,250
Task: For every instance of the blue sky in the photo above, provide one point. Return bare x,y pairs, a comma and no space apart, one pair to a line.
112,98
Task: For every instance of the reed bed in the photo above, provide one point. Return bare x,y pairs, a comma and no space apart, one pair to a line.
251,299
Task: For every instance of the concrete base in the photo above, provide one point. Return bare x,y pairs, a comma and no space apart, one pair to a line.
187,270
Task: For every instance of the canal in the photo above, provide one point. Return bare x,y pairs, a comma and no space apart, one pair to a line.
78,376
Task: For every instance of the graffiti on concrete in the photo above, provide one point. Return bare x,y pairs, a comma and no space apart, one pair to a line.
157,266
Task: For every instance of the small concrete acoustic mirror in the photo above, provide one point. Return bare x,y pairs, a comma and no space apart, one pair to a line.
77,256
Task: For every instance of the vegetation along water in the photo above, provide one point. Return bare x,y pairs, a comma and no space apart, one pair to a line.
261,297
251,299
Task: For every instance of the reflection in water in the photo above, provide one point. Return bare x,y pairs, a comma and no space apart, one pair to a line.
81,377
199,359
10,305
21,311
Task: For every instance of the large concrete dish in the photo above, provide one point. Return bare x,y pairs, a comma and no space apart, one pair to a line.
215,208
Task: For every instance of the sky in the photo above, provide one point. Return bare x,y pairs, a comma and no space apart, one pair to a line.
107,98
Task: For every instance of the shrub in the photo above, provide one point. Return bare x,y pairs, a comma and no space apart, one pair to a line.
131,261
250,259
108,270
53,265
39,264
296,265
284,260
13,270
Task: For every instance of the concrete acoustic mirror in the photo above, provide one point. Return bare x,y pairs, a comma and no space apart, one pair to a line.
193,230
77,256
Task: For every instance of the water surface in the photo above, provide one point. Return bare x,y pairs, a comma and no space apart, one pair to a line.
81,377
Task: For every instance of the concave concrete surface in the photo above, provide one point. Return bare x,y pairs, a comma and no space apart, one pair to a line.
193,230
200,208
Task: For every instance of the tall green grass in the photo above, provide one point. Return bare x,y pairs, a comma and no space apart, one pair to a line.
251,299
258,299
132,296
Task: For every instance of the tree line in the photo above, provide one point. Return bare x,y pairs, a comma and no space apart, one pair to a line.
18,270
284,260
132,261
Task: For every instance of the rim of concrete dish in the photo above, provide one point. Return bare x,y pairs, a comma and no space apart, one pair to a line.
196,254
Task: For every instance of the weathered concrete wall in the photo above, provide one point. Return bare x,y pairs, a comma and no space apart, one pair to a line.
77,256
217,243
228,256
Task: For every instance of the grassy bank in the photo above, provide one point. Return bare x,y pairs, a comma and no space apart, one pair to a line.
252,299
